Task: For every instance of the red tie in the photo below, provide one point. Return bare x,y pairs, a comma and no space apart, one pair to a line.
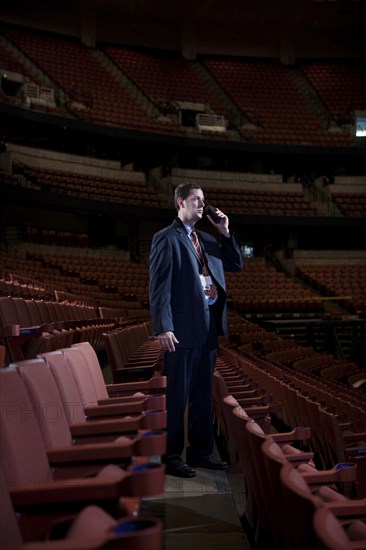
212,290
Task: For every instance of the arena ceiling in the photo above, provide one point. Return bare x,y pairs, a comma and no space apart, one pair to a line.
326,13
282,29
236,11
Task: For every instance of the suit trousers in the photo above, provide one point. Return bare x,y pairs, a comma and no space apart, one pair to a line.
189,374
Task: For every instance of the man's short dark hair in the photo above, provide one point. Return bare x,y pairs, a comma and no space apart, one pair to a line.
183,190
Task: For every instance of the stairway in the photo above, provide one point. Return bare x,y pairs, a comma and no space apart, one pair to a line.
236,117
126,83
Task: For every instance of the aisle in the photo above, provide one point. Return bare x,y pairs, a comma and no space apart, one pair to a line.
200,513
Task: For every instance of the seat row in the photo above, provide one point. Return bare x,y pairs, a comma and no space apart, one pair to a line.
287,351
259,90
132,352
334,412
291,503
73,447
87,279
31,326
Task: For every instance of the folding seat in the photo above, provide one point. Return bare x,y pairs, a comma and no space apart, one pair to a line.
274,458
48,408
258,407
273,461
229,354
33,482
2,355
155,385
22,340
22,313
95,398
136,347
61,336
43,310
8,315
340,528
338,371
229,403
224,415
250,438
52,311
318,440
244,390
92,528
250,518
121,369
96,428
299,504
343,444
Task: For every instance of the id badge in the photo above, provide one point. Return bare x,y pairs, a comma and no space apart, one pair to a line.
206,282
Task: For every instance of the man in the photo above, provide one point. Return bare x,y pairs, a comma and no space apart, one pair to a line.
188,310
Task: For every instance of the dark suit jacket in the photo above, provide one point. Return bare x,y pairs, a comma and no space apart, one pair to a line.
177,301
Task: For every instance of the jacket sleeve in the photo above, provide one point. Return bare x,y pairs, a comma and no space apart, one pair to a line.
231,257
161,267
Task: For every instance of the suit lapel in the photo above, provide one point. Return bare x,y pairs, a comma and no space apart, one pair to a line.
184,238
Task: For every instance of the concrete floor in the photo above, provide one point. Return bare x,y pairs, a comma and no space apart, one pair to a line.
201,513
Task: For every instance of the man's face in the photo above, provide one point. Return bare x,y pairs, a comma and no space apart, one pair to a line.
191,208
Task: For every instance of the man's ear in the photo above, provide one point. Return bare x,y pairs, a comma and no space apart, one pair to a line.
180,202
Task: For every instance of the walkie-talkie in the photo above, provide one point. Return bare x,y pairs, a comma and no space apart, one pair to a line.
211,211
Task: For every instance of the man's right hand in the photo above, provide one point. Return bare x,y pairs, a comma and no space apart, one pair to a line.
167,341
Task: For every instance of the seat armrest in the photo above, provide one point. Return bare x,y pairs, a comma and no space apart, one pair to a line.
146,444
70,490
299,433
155,383
355,509
342,472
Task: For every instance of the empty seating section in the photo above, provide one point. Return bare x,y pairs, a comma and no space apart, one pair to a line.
290,419
40,326
94,461
112,288
136,191
39,317
124,191
261,288
126,87
257,194
13,179
259,395
350,204
94,280
94,95
55,237
92,528
270,100
325,459
165,79
267,203
344,282
251,340
11,64
339,85
47,478
298,493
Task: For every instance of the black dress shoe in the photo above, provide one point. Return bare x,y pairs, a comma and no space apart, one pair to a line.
208,462
179,469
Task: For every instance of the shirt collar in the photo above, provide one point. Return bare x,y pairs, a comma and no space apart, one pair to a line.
188,229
